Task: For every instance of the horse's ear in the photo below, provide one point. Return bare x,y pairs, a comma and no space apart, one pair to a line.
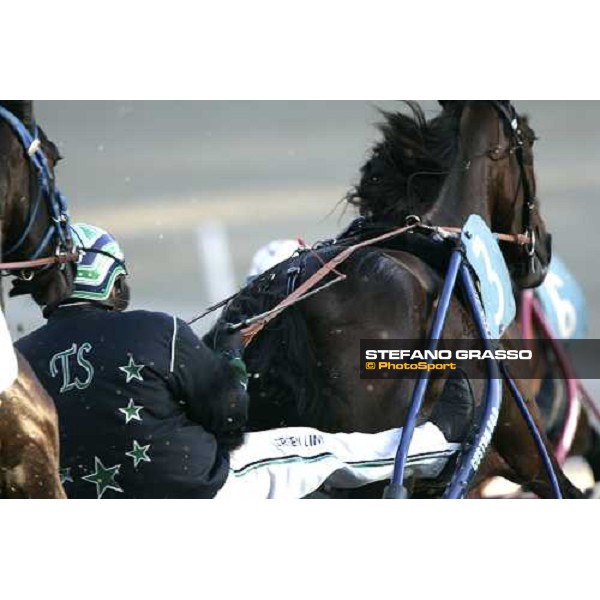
22,109
50,148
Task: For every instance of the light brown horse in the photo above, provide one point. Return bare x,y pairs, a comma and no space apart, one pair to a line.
29,452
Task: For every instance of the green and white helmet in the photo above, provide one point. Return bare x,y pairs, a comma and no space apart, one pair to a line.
101,262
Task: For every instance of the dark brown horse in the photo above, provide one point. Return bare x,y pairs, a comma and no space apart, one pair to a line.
29,454
305,363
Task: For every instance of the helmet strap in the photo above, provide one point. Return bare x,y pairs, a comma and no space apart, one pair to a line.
112,256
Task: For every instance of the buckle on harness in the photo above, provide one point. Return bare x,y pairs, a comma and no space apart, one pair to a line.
292,278
34,147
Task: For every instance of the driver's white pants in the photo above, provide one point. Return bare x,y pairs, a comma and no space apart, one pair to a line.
294,461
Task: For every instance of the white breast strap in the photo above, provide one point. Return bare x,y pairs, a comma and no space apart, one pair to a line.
8,359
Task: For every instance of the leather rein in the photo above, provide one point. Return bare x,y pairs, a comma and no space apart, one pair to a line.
57,259
249,328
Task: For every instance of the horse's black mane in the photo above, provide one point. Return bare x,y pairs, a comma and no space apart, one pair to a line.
407,168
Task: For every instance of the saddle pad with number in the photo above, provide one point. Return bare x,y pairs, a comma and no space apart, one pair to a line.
495,287
563,302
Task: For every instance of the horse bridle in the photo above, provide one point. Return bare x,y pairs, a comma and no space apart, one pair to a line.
59,226
507,111
527,239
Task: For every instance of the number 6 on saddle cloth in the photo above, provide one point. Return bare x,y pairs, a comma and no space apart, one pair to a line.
477,258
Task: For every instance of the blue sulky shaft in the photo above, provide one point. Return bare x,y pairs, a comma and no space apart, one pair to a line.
516,394
396,488
470,461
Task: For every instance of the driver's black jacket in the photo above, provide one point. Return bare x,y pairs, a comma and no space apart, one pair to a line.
142,403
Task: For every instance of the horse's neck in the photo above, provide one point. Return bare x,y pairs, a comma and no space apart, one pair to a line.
465,192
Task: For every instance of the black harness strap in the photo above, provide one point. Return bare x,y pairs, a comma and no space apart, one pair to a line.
508,111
